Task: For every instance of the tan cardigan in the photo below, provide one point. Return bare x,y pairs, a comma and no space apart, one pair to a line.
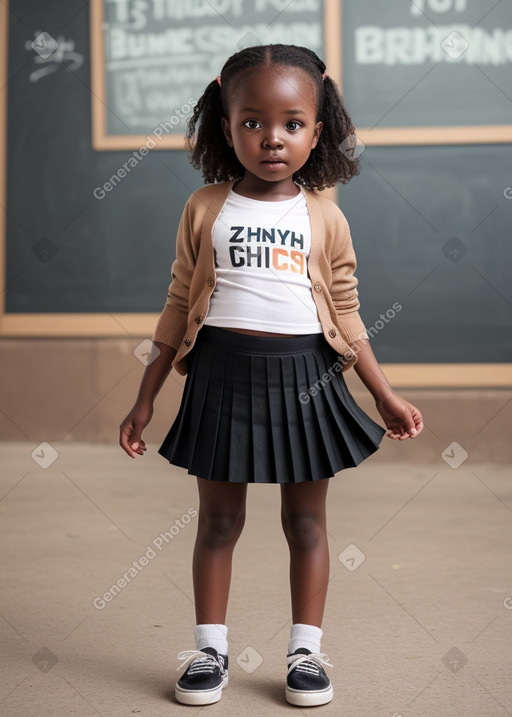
331,267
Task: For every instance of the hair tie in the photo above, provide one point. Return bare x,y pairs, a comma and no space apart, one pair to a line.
218,80
324,75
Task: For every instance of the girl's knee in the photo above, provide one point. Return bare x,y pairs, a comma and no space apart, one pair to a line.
220,528
302,528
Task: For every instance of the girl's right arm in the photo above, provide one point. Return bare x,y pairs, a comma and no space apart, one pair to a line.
140,415
171,327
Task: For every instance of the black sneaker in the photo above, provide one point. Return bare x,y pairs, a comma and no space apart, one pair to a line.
307,685
205,677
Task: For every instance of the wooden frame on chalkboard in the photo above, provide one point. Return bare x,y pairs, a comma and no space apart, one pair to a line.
130,325
464,134
101,140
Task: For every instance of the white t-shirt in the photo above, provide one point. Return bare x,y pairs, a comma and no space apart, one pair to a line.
261,251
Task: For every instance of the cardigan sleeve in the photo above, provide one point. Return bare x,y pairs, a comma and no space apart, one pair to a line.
172,323
343,290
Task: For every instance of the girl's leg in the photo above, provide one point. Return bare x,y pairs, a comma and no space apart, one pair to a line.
220,522
303,517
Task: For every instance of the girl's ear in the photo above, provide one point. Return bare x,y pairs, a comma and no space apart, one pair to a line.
318,132
227,130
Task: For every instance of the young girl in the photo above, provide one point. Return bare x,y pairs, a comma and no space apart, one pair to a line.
262,316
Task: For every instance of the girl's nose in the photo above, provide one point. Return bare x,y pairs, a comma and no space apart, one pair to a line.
272,139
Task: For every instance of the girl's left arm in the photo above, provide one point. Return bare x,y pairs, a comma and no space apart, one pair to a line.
402,419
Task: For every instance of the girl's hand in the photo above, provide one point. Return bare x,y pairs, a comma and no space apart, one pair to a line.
402,419
131,429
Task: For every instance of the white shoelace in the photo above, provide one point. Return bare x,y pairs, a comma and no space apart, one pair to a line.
308,663
205,662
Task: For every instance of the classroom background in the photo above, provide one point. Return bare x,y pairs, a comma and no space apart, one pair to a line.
94,100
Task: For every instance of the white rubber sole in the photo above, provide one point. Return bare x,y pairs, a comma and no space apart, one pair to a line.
308,698
200,697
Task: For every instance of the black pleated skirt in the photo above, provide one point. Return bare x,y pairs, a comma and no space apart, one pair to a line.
259,409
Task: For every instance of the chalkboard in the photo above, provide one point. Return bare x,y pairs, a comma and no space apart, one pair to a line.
428,71
151,61
72,250
430,224
431,228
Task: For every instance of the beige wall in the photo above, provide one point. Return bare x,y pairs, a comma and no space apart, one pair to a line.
81,389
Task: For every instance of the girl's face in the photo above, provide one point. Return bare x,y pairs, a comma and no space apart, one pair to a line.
272,126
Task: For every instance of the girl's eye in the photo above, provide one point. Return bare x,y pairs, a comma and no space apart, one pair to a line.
293,125
251,124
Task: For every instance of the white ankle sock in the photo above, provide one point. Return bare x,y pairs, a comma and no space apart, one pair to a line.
308,636
212,635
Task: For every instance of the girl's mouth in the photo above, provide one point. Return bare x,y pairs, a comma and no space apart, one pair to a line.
274,163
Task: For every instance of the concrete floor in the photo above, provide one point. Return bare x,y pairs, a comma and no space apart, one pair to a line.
421,627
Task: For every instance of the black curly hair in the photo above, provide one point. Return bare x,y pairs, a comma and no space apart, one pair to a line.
326,165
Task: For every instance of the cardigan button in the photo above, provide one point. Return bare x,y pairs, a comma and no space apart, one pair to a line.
197,319
317,286
332,333
210,281
188,342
